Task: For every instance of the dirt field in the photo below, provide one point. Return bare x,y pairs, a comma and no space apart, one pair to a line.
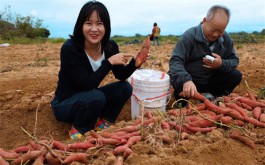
28,78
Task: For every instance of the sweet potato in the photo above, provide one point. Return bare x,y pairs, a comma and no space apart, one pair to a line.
226,119
52,160
173,112
246,106
211,106
184,135
8,154
76,157
3,161
221,105
198,129
200,107
234,114
108,135
227,99
234,95
37,146
110,141
251,103
29,156
180,128
262,101
94,134
239,109
22,149
207,112
137,121
251,95
130,128
120,149
81,145
256,112
262,118
126,136
143,53
250,143
239,123
196,96
193,118
127,152
60,146
132,140
148,121
151,125
165,125
148,114
39,160
203,123
255,122
239,103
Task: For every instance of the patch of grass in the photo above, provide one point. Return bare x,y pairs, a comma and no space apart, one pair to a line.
24,40
56,40
41,62
152,57
239,46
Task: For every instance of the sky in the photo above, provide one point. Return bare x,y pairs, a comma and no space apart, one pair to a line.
130,17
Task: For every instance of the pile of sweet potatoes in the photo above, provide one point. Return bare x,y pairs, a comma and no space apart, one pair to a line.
231,112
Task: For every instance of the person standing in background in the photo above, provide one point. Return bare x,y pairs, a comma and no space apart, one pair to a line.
156,34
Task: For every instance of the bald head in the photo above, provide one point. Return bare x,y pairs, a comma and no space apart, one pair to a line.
215,22
220,11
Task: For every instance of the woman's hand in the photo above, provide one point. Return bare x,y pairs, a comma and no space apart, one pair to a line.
120,59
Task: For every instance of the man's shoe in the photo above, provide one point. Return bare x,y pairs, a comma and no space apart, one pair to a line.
209,96
100,125
181,104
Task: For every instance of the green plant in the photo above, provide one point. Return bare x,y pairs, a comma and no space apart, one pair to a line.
261,93
239,46
56,40
41,62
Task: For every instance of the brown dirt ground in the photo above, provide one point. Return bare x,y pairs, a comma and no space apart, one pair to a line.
29,77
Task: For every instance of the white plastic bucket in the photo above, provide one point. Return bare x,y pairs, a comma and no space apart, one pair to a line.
150,89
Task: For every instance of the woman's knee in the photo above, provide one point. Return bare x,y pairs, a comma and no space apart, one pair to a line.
94,98
127,88
99,98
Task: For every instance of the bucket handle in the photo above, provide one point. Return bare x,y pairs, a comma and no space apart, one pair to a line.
153,98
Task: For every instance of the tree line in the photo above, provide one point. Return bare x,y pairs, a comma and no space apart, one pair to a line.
14,25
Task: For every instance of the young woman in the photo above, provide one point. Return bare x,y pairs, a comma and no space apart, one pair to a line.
86,58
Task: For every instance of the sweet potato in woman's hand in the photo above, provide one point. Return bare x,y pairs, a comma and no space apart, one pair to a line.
141,57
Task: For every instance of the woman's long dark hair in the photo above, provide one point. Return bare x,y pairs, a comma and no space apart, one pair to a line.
84,15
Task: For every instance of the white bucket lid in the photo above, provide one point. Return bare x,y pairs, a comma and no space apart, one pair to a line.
149,75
